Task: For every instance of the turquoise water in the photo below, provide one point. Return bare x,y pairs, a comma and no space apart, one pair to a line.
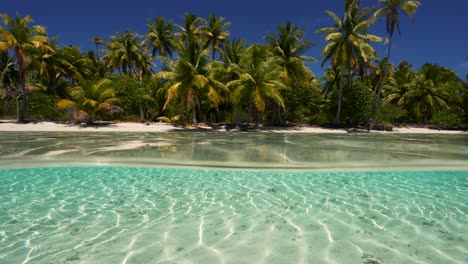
232,198
160,215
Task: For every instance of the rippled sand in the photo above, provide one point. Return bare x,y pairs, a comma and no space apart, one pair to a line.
149,215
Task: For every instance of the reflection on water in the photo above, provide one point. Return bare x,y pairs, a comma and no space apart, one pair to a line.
238,150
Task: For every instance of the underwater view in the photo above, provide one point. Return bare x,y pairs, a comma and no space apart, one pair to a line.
233,198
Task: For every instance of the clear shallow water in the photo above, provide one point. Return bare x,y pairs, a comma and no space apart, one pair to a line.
161,215
232,198
235,150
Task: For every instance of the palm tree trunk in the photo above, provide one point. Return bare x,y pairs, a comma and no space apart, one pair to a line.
52,85
278,115
250,112
23,114
340,93
194,118
384,77
97,52
142,114
237,120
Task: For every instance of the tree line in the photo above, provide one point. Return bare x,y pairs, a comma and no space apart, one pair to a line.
193,72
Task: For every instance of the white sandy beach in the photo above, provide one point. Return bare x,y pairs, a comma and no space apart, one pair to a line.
11,125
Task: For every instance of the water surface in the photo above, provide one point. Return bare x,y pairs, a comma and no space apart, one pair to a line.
235,150
232,198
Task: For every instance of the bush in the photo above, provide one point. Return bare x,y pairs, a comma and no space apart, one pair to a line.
357,103
304,104
136,95
389,114
448,119
44,107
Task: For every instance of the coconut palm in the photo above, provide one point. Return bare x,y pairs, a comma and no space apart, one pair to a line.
97,42
8,76
330,81
430,90
391,10
216,33
190,31
289,45
90,98
160,37
53,64
127,54
232,51
349,46
76,66
24,41
191,80
259,80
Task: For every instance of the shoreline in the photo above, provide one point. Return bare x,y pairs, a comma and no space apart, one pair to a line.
47,126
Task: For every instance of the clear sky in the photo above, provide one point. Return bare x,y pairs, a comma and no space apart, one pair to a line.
439,33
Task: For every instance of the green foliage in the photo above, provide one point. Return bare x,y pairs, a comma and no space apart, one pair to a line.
259,79
265,83
43,106
448,119
358,102
304,104
90,98
137,97
389,114
465,101
349,48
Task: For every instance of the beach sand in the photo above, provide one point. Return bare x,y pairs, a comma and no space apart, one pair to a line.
11,125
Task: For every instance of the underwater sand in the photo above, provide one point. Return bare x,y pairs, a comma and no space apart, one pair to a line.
154,215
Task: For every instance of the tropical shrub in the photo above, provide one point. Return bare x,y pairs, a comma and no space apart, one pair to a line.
89,99
43,106
137,98
448,119
358,102
304,105
389,114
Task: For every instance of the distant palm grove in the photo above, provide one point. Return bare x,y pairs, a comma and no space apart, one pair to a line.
193,72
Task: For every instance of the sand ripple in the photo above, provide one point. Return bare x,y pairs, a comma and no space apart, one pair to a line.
137,215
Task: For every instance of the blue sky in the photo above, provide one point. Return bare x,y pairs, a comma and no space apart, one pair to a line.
439,33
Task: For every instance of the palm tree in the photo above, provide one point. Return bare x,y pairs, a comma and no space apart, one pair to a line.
216,33
160,37
330,79
97,42
76,65
128,55
191,80
396,87
433,90
190,31
259,79
288,45
349,46
24,40
90,98
52,64
423,93
391,10
232,51
8,76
